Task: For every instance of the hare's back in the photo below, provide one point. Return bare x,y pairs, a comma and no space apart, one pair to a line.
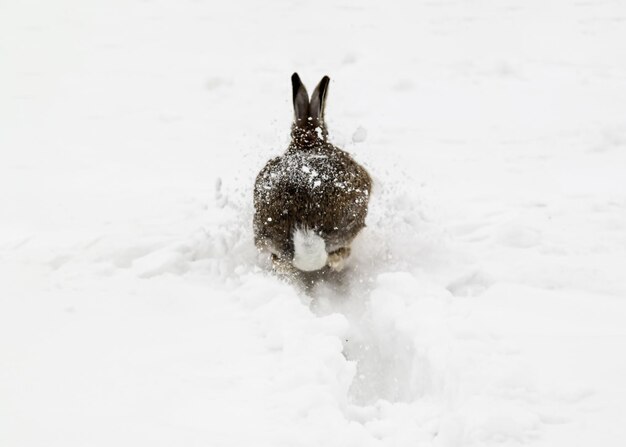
325,191
321,179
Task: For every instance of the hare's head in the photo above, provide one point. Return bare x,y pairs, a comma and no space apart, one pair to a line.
308,129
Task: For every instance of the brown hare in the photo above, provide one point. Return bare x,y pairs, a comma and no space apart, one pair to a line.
311,202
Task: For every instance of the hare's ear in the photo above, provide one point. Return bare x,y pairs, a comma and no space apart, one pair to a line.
318,100
300,98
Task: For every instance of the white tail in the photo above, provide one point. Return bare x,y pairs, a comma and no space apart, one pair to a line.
309,250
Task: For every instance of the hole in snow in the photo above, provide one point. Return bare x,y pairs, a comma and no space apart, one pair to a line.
385,366
387,362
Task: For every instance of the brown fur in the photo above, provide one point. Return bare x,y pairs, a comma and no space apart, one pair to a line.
313,185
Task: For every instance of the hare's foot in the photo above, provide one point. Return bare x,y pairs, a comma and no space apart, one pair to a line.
282,267
337,259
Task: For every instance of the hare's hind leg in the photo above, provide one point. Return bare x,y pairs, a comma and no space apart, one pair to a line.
283,267
337,259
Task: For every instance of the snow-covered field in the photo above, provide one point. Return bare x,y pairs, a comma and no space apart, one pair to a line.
485,302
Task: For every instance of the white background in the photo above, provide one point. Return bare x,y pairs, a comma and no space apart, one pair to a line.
486,300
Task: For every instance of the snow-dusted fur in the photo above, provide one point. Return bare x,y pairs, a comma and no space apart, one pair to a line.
313,185
309,250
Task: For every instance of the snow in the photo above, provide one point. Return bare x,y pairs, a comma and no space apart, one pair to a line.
484,303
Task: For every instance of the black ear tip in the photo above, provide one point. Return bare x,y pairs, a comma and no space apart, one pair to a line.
325,79
295,78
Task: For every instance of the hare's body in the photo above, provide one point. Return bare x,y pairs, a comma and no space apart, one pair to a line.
312,201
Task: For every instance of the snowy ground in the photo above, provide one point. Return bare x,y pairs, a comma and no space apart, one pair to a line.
486,300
